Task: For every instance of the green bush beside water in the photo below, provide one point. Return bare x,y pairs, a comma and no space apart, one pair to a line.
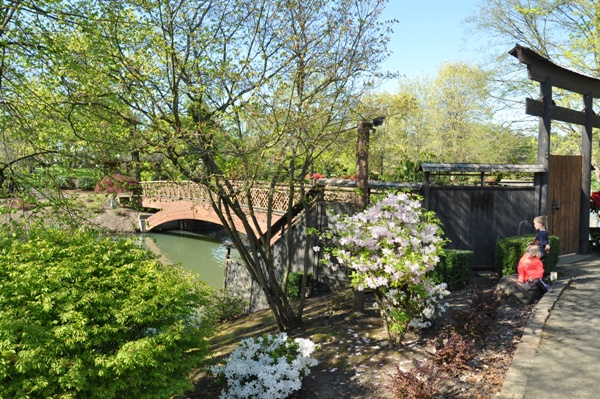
87,316
225,306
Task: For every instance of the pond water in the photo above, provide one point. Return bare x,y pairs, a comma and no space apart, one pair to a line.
203,254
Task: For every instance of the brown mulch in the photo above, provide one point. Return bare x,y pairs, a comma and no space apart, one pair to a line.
355,360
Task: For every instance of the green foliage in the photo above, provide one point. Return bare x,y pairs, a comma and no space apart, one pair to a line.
60,177
87,316
294,284
510,249
558,30
64,182
225,306
551,260
404,171
443,119
594,238
454,269
85,183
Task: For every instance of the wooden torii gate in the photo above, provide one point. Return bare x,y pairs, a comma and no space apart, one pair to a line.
549,75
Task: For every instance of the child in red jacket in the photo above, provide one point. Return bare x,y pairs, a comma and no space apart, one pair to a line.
531,269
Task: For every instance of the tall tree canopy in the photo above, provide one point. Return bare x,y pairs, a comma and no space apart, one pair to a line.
447,118
222,90
566,32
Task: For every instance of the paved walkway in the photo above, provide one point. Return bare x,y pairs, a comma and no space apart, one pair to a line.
559,354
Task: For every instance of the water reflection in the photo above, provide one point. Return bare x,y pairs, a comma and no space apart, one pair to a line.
204,254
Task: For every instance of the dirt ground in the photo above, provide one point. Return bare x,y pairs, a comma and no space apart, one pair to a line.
95,210
355,360
115,218
120,220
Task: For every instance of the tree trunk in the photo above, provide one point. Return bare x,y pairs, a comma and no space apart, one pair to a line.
362,183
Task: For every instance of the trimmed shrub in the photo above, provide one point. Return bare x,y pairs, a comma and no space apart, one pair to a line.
510,249
454,268
294,286
87,316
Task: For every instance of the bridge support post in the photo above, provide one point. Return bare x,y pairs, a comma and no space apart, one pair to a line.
142,222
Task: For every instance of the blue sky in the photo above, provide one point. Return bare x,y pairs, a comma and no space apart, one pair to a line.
429,33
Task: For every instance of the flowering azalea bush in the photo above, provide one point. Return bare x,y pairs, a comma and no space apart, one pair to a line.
267,367
595,201
390,248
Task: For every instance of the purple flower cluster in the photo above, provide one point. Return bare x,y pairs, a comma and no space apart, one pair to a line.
390,247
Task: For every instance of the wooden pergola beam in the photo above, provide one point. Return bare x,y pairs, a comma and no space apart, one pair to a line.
536,108
539,68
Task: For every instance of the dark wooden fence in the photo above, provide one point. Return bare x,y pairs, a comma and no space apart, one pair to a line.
475,217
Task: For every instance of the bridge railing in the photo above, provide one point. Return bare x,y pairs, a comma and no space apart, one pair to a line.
335,190
191,191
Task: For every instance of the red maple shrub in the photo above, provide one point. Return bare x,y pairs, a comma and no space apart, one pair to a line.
117,184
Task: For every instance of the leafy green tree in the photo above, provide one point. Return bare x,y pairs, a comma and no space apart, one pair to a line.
448,118
220,90
566,32
252,91
86,316
51,64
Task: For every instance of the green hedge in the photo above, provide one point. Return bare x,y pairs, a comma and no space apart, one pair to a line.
510,249
454,269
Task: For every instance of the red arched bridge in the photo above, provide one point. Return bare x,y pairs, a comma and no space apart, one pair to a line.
187,200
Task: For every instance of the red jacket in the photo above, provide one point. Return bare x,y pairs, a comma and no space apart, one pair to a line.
530,268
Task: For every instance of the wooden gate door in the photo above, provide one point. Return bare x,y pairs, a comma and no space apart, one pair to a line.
564,197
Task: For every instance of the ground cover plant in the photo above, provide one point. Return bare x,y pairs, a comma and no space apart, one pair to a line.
88,316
